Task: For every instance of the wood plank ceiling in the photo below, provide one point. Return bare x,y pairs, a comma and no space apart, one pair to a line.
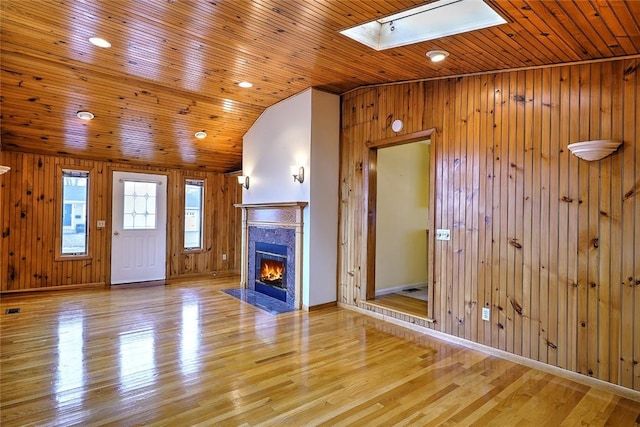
174,66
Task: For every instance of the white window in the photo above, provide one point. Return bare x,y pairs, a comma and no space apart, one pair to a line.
75,193
193,205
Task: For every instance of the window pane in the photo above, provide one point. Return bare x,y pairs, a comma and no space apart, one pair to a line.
194,191
74,212
139,207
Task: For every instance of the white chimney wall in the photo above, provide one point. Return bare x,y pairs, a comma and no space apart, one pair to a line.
303,130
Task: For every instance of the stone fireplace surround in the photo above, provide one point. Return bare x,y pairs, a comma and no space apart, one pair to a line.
274,223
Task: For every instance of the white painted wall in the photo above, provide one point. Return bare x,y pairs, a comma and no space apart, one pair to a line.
280,138
303,130
323,212
402,215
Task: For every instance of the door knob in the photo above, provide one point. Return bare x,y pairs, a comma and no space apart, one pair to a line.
115,233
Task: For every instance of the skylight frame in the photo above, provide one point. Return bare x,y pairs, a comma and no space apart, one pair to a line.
407,27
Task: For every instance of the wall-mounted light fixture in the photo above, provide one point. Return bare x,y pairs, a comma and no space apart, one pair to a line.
244,181
4,169
298,173
594,150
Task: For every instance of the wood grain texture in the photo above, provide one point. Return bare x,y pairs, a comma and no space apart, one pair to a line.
546,240
174,68
30,214
188,354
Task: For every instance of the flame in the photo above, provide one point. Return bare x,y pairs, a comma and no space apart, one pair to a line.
271,271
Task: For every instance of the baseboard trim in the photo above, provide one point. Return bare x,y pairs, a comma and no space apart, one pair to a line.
564,373
58,288
320,306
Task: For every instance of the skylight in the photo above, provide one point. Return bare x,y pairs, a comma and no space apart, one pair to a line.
431,21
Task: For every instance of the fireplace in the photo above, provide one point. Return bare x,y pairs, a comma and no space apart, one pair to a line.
272,250
271,270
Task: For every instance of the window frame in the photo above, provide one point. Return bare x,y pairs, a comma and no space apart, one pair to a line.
61,172
202,183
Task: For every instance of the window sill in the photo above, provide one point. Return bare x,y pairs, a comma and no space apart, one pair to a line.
193,251
72,257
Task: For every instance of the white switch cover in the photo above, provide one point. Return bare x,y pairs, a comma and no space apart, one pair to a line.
101,223
443,234
486,313
224,257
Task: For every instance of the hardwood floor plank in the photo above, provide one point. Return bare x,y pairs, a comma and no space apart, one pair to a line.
188,354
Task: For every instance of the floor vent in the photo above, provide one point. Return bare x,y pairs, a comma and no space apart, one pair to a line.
12,311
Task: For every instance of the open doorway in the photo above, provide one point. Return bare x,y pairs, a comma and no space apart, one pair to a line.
402,226
400,206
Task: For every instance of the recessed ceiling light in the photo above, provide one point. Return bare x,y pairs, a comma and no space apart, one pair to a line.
200,134
437,55
100,42
85,115
427,22
245,84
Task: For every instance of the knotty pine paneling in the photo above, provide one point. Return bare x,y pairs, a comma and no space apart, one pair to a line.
28,216
550,243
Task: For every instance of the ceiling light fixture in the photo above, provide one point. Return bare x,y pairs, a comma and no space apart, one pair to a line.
437,55
245,85
100,42
200,134
85,115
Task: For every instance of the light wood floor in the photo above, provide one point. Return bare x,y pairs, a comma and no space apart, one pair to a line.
403,303
188,354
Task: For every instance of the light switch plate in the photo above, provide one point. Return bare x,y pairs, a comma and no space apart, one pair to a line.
486,314
101,223
443,234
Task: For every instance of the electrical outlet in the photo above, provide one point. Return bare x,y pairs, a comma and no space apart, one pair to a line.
443,234
486,314
224,257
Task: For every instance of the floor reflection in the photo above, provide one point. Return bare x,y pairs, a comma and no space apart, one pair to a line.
70,371
190,337
137,359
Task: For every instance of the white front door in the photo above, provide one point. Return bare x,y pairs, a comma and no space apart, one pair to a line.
139,227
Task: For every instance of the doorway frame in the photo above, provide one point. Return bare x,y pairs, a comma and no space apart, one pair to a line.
372,200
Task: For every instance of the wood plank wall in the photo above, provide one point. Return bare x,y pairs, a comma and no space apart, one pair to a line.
550,243
28,216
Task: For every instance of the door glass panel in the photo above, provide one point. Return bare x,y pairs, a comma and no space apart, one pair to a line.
139,207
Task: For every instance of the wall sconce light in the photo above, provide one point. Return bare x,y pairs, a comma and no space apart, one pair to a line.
594,150
4,169
244,181
298,173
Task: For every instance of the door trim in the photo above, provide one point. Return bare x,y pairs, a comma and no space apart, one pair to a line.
371,208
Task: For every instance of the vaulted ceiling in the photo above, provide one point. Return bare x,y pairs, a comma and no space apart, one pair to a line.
174,66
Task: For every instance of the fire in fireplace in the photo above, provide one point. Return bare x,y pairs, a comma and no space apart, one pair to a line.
272,272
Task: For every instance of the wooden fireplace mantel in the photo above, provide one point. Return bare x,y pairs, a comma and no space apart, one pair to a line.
273,215
287,214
